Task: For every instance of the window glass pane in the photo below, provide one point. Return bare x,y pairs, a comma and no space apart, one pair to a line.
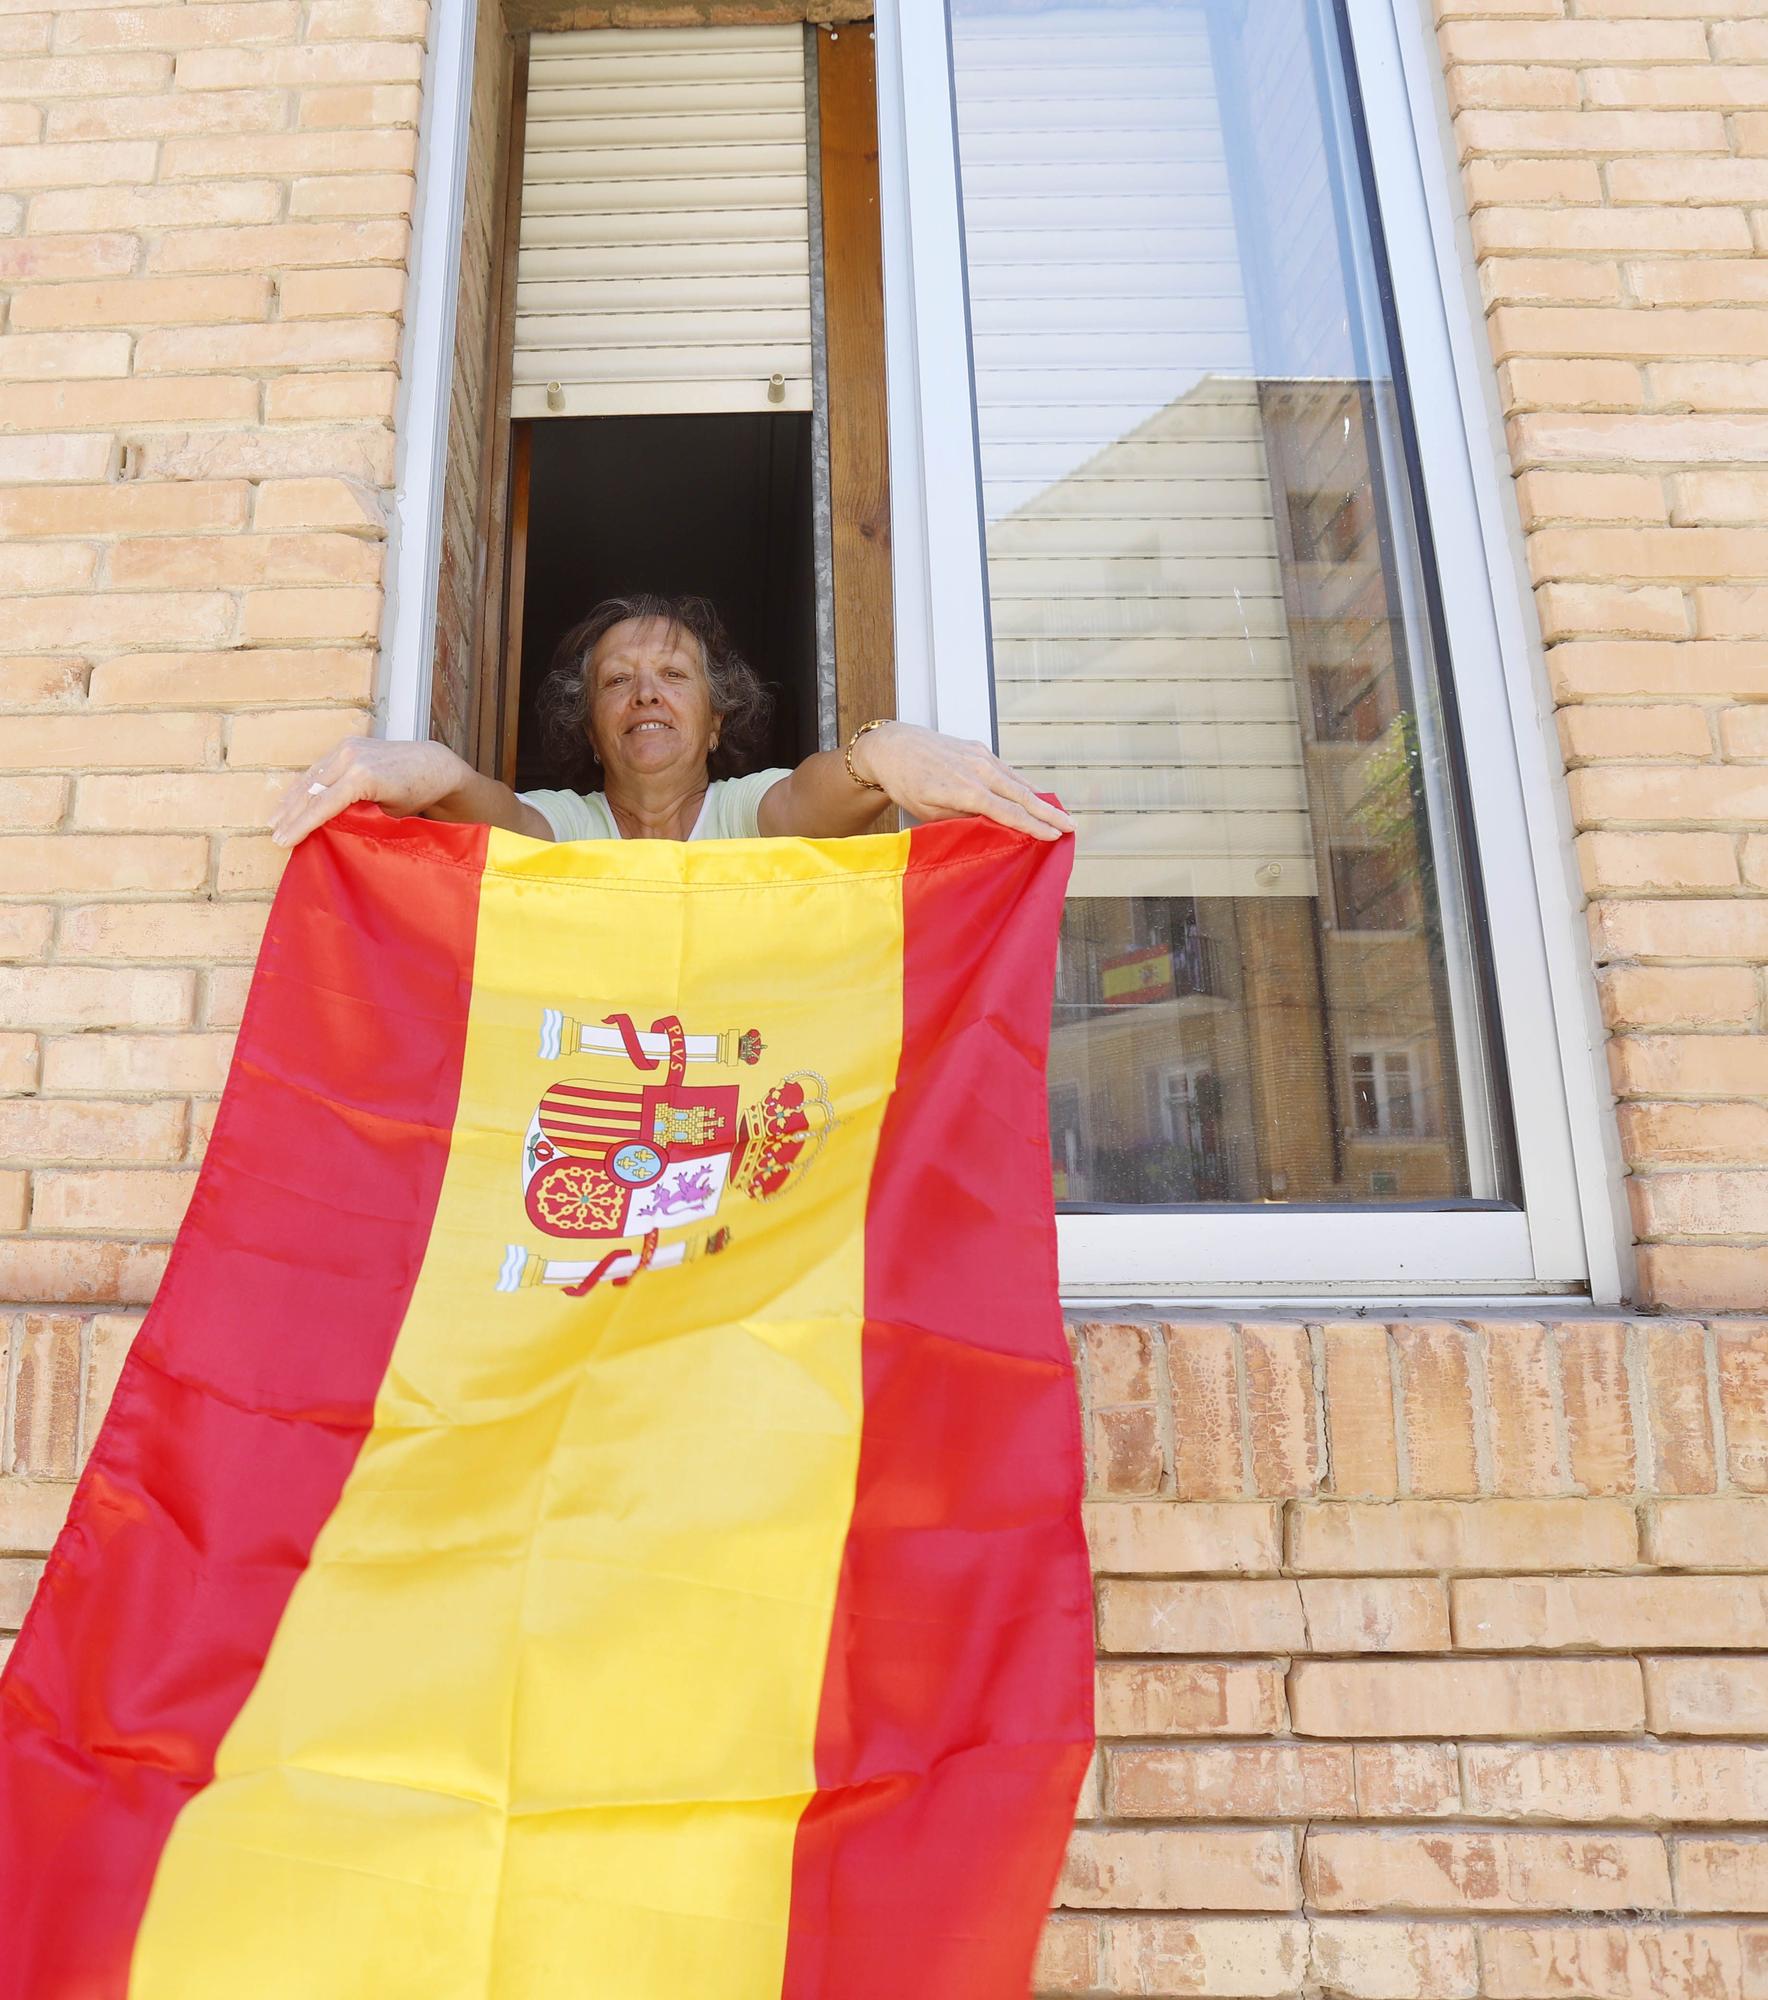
1210,610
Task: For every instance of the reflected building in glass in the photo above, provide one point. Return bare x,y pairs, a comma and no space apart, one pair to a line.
1210,602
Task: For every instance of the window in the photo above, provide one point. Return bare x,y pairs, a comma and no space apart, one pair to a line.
1219,413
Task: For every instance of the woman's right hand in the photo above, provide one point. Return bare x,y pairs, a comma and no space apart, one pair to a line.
401,777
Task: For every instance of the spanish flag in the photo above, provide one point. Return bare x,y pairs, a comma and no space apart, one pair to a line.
594,1509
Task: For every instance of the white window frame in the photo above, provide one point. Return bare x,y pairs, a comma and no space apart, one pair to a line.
1570,1234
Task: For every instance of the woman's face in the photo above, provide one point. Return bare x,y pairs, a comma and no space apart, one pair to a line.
650,711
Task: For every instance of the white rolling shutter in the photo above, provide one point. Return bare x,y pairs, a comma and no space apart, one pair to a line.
664,265
1142,660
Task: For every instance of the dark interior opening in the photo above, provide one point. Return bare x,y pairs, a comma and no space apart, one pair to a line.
719,504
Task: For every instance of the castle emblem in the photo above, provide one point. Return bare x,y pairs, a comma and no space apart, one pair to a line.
614,1158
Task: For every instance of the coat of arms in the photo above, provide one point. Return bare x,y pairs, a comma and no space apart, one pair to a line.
632,1143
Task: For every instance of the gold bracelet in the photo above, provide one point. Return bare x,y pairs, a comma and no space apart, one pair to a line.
871,784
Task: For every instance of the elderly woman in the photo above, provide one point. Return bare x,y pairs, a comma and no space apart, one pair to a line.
649,700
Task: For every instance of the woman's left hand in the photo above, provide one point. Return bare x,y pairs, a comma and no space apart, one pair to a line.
931,776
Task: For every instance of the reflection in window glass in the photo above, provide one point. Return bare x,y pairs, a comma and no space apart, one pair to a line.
1207,600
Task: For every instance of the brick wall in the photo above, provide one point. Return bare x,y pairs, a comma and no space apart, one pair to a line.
1433,1662
1615,160
203,232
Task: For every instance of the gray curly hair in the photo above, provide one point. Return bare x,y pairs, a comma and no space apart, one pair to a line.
740,700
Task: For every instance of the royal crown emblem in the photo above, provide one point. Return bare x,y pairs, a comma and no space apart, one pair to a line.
629,1146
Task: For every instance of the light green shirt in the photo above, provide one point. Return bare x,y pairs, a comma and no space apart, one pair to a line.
729,810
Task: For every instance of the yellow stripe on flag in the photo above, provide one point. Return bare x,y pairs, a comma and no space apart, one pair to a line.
588,1554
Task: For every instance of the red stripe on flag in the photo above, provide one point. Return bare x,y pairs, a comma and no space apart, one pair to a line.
956,1717
247,1393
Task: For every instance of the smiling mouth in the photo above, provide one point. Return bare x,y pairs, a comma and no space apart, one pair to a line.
639,728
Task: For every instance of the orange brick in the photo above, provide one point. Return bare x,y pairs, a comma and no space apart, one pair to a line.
15,1199
318,503
196,799
1494,1614
38,863
1742,1351
291,738
1715,1202
299,67
57,996
1681,1424
33,803
342,294
117,619
1510,232
1463,1698
1574,41
1434,1535
1202,1362
63,1271
1509,86
20,1055
1257,1958
229,680
280,246
1522,1418
1529,383
48,357
1690,1065
1150,1617
1596,1387
287,155
1672,861
1701,282
1634,440
276,616
1371,1870
50,460
1590,496
1556,280
1579,610
142,301
1616,1783
1125,1455
1262,1782
18,1583
1710,1697
1067,1956
145,931
1597,733
1612,1962
352,196
1558,183
1720,1874
31,1513
1723,613
153,208
305,344
98,742
144,1201
250,863
1376,1959
1159,1538
1586,670
43,166
1216,1869
33,1130
25,930
224,995
213,562
321,397
1683,1277
51,682
1282,1429
1653,996
354,451
122,510
186,27
1436,1399
1368,1615
374,107
1189,1698
167,114
1724,1532
1359,1411
1407,1780
108,1064
1118,1359
1683,928
42,1433
366,20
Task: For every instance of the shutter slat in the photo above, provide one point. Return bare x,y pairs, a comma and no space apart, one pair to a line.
665,251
